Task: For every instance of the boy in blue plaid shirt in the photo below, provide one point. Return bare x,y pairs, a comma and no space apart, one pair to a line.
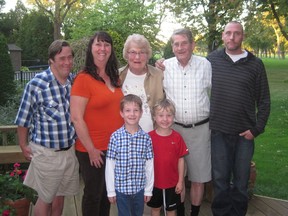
129,165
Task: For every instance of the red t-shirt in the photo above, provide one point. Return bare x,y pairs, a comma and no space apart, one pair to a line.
102,114
167,151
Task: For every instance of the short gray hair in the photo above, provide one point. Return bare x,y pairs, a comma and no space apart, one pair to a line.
183,31
141,42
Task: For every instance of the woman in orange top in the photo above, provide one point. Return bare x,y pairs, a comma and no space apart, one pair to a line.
95,112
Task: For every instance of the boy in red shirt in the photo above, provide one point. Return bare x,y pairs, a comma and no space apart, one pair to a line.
169,151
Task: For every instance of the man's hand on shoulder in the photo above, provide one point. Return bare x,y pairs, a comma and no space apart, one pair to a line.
159,64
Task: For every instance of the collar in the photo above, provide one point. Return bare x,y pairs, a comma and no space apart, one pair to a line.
51,78
188,64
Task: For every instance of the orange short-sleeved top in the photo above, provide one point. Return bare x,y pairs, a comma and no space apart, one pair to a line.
102,114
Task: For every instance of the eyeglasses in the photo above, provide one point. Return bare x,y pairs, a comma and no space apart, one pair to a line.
134,53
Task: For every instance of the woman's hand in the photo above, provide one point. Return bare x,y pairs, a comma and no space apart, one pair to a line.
95,157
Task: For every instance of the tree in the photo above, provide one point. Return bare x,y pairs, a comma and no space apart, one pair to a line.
36,35
278,8
79,47
259,36
2,4
206,18
7,86
124,17
10,22
168,51
57,10
273,15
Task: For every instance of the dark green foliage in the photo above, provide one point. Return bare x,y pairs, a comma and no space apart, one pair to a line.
2,3
9,110
10,22
121,17
36,35
168,52
118,42
79,47
7,86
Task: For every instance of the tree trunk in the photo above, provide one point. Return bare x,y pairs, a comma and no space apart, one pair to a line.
57,30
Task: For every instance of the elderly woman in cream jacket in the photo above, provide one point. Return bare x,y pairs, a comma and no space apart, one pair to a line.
141,79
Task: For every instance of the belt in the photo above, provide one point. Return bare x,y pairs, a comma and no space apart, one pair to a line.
63,149
193,125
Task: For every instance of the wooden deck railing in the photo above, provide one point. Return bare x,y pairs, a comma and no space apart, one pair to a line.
10,152
4,130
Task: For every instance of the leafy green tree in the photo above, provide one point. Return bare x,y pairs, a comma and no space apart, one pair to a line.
57,10
10,22
36,35
265,34
278,9
7,86
7,26
168,52
259,36
2,4
124,17
79,47
206,18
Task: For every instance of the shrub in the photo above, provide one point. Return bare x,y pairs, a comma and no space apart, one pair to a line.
7,86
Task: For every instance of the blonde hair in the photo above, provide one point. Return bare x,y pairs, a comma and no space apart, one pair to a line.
164,104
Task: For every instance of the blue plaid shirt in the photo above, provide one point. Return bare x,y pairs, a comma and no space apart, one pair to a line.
45,110
130,153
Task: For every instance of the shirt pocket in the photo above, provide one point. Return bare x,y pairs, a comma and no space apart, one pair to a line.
51,111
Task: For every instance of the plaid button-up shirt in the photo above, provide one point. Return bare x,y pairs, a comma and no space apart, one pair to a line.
130,153
189,88
44,109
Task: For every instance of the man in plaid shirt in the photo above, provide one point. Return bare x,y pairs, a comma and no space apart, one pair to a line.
44,114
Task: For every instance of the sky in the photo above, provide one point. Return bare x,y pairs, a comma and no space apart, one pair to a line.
167,27
10,4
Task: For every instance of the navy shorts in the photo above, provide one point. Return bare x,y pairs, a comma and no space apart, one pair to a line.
172,200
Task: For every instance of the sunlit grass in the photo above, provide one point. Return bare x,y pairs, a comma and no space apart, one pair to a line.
271,149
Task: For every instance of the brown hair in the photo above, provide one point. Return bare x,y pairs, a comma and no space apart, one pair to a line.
131,98
56,48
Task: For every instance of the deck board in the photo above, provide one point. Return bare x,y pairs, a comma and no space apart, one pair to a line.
258,206
11,154
270,206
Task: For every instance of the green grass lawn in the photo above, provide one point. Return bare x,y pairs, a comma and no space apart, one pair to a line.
271,149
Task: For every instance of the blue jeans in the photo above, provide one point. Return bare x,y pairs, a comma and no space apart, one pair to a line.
130,205
231,156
